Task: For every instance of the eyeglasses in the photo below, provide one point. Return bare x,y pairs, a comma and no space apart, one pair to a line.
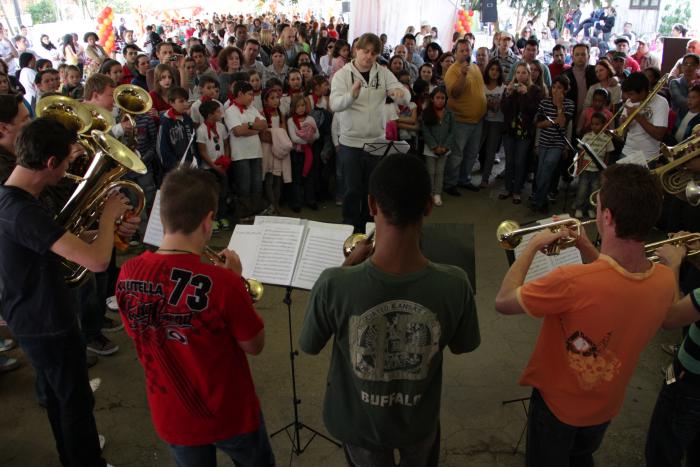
216,143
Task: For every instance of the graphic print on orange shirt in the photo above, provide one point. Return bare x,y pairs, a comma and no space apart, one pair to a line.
591,363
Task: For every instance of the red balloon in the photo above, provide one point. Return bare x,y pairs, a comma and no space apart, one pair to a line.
471,12
107,9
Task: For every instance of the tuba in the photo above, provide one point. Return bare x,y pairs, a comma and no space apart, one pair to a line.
132,100
111,161
672,176
620,132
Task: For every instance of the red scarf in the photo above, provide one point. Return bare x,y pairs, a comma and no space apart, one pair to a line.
269,112
242,108
315,98
211,128
308,153
291,92
172,113
205,99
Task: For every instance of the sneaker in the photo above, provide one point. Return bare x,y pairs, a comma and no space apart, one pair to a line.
8,364
6,344
91,359
112,325
591,213
437,200
452,191
103,440
671,349
101,345
578,214
111,303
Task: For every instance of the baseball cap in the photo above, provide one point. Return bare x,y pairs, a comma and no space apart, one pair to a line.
619,56
619,40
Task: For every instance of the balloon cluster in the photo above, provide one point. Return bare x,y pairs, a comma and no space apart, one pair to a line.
105,29
464,21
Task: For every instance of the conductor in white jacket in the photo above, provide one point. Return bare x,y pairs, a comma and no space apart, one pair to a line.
358,94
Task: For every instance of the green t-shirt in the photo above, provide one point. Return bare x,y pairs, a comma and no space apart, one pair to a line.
385,378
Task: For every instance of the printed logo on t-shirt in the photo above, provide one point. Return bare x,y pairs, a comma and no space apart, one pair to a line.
395,340
592,363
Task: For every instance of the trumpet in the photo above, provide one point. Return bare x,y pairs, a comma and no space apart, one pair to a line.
351,242
683,240
509,234
253,286
620,132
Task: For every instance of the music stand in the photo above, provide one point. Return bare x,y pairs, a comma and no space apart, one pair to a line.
522,433
297,425
384,148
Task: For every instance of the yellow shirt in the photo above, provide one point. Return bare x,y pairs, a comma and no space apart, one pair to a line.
470,106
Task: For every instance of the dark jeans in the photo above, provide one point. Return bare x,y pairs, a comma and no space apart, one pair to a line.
674,430
547,164
424,453
61,371
516,162
552,443
247,175
356,166
246,450
303,188
493,133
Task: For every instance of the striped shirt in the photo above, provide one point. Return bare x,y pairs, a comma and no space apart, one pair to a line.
553,136
689,353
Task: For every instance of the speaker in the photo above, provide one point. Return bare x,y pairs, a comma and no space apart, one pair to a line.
489,11
345,7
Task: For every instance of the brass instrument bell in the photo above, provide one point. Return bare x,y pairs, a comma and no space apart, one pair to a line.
254,287
509,234
351,242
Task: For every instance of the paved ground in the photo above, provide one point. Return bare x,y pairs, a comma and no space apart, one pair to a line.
477,430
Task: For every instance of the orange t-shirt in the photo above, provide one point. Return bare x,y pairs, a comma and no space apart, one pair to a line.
598,317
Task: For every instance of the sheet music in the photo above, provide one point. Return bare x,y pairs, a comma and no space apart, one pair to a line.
154,228
369,227
260,220
380,147
543,264
322,249
270,251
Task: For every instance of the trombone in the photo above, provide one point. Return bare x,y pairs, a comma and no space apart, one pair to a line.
580,163
253,286
620,132
683,240
509,234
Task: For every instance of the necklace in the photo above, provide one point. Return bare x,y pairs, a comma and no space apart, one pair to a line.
175,250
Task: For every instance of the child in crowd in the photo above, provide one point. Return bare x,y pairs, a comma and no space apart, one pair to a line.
341,56
318,88
191,78
492,131
425,72
255,80
303,132
214,151
113,69
72,87
208,91
438,133
276,85
245,124
600,103
142,65
176,133
407,122
295,85
319,109
162,82
589,178
62,73
307,73
276,146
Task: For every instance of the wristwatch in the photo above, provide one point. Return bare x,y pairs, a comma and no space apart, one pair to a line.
250,125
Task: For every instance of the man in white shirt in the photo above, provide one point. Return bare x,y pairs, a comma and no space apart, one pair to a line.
8,53
649,126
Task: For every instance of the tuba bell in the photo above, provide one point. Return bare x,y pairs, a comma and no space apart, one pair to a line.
111,161
132,100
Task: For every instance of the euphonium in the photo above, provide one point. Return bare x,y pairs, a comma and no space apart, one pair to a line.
672,176
620,132
509,234
692,193
111,161
132,100
253,286
682,240
351,242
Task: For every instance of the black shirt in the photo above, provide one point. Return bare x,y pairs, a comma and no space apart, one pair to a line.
35,298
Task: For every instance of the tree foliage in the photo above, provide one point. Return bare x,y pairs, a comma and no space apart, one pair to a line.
680,13
42,11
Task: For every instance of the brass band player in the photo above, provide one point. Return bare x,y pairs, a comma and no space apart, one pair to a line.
598,317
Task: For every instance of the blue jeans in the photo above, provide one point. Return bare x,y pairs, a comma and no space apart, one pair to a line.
246,450
553,443
247,175
62,376
516,162
461,160
674,430
546,165
356,166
